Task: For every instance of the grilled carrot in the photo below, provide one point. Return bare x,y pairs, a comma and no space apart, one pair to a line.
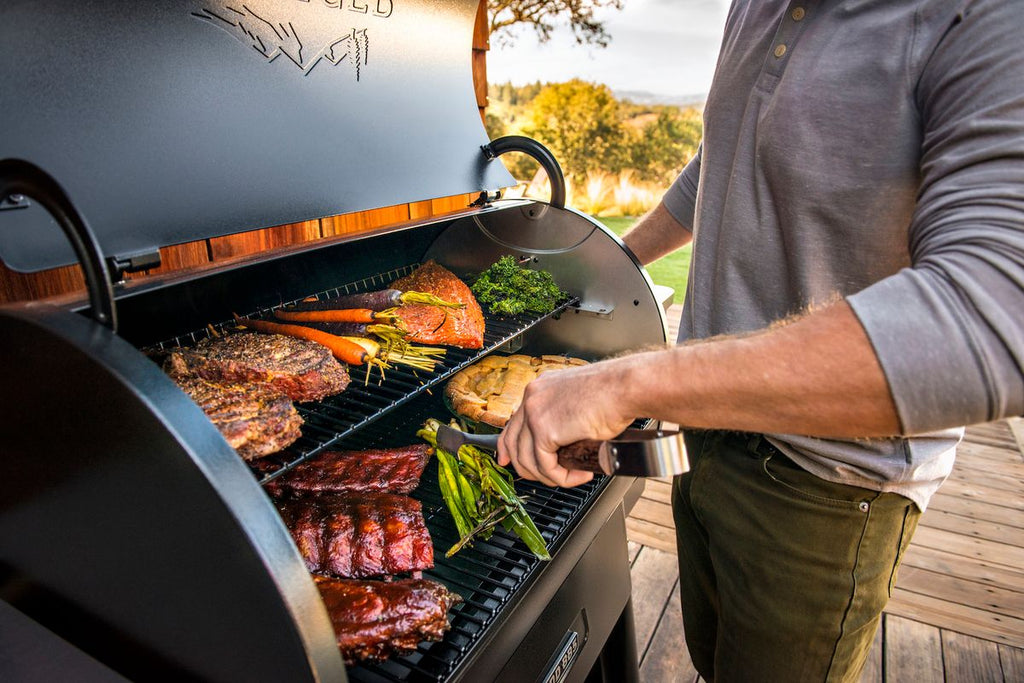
337,315
343,349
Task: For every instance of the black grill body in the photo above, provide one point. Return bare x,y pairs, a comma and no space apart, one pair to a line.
129,515
133,541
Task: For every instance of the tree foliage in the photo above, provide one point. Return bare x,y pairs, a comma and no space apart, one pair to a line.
582,125
663,146
588,130
506,16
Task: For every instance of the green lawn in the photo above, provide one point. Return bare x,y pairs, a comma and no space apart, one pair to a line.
670,270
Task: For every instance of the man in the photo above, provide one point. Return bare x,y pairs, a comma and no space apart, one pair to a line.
856,293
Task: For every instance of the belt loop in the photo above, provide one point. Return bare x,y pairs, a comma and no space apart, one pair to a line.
754,445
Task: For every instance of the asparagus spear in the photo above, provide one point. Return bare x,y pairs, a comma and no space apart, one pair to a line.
479,494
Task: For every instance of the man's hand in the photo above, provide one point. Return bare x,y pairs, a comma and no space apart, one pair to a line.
558,409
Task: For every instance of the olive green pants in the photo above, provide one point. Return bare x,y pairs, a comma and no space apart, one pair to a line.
783,576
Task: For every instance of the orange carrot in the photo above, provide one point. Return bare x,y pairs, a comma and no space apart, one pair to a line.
343,349
338,315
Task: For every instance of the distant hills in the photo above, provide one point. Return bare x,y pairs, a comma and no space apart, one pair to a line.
650,98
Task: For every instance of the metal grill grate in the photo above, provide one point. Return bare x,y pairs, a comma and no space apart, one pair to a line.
488,574
329,421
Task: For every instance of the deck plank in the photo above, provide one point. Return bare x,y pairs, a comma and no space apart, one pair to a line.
969,660
963,618
1011,660
977,509
969,526
937,559
913,651
999,601
650,534
667,660
654,574
993,552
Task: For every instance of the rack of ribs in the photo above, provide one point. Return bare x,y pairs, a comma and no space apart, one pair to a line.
384,470
376,619
349,536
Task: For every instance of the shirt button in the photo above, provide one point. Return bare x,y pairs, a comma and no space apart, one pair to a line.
864,506
780,50
797,13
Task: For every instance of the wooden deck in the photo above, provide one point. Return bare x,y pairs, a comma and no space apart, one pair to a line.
958,610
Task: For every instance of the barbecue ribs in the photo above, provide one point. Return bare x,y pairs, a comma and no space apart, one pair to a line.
372,534
375,619
300,369
390,470
434,325
254,419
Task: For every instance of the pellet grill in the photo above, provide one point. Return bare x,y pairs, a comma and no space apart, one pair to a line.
134,542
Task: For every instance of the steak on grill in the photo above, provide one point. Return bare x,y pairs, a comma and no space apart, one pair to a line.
373,534
300,369
434,325
376,619
254,419
385,470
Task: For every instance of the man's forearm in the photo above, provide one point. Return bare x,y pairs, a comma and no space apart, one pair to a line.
655,235
817,376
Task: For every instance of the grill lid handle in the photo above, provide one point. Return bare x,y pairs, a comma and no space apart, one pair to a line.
21,179
520,143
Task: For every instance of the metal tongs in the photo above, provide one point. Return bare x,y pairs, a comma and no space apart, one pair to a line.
634,452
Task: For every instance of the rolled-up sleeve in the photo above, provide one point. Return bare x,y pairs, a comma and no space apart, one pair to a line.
949,330
681,198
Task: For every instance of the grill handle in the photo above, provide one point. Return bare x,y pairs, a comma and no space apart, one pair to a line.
19,177
520,143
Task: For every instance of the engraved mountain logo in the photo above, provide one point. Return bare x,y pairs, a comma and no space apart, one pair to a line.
304,31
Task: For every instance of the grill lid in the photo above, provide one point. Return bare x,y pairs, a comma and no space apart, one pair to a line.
172,122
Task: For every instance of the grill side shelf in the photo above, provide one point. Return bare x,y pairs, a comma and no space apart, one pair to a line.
331,420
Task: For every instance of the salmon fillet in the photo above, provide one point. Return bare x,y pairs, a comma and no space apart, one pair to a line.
463,327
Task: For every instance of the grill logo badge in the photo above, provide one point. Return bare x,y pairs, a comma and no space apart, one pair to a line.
260,25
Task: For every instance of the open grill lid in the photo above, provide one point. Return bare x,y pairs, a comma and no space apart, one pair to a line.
171,122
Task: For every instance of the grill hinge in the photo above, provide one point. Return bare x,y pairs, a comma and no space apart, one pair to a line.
132,263
486,197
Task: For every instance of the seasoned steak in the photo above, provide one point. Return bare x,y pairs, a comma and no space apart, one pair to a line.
301,370
376,619
254,419
462,327
373,534
384,470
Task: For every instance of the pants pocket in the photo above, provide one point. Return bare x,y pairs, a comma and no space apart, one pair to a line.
910,518
812,489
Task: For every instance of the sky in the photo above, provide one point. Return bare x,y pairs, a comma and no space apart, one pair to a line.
664,47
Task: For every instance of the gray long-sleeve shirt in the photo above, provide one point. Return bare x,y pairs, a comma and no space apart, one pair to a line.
872,150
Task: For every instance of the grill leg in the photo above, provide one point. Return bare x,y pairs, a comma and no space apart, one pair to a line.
618,660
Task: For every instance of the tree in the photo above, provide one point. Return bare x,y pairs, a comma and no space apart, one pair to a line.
506,15
580,122
661,149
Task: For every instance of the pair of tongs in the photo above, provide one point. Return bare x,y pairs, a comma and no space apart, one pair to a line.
634,452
